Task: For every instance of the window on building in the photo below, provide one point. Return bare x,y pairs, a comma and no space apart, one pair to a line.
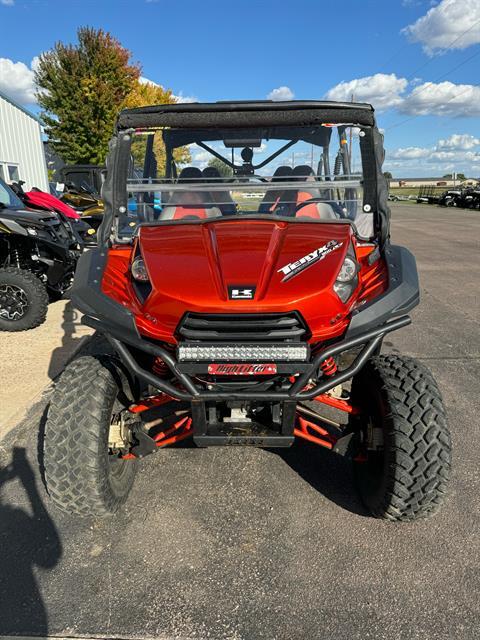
13,174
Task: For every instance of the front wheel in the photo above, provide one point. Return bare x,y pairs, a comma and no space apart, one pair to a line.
84,474
23,300
403,459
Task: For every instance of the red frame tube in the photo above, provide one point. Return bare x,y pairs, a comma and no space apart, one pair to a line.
337,403
328,441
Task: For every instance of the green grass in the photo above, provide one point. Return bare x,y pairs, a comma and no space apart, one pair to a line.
402,191
414,191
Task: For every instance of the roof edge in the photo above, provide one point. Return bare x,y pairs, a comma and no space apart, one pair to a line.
246,105
236,113
20,107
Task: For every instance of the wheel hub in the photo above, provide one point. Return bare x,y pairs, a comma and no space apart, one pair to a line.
374,437
13,302
119,433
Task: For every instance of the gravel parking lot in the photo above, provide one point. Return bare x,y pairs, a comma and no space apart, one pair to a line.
32,359
243,543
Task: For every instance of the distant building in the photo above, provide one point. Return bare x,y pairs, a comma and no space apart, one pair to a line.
436,182
21,146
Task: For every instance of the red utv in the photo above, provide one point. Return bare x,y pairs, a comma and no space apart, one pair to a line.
246,305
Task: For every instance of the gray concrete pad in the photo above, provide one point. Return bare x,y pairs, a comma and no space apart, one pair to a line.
243,543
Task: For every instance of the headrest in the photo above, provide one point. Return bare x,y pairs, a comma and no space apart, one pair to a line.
281,173
211,172
190,174
302,171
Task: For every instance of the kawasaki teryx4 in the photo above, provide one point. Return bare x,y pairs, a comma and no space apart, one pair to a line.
38,256
250,309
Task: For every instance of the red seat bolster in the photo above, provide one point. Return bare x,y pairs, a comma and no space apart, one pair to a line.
182,212
309,210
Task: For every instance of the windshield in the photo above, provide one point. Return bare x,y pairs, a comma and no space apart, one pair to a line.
8,197
311,173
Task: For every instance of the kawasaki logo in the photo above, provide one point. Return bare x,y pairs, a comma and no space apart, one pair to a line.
293,268
241,292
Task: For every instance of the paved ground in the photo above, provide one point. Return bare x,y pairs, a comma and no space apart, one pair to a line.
35,358
246,544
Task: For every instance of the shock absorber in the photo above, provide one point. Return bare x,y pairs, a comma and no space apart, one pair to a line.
329,367
159,368
338,164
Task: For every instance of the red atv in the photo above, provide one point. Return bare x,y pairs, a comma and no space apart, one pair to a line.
246,304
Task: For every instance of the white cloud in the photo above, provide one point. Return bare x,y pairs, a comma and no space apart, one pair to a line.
443,99
453,153
409,153
202,156
7,3
144,80
281,93
389,91
178,97
459,141
382,90
181,98
261,149
441,28
16,80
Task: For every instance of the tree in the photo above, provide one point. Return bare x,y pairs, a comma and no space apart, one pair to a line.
387,175
147,93
223,169
458,176
81,88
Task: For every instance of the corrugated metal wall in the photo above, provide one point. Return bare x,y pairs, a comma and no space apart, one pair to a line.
21,144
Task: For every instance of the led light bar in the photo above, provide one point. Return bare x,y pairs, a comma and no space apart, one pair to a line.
243,352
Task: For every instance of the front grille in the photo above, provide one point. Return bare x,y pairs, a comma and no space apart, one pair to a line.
243,327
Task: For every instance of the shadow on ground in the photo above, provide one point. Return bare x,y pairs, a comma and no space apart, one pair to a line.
28,539
326,472
70,342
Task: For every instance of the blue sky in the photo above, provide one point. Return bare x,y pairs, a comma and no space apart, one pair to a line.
383,52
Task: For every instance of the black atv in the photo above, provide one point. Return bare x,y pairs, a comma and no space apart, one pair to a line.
38,256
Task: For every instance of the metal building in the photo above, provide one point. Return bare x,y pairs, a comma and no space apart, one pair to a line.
21,147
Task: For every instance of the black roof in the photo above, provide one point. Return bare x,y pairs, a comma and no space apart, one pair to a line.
247,113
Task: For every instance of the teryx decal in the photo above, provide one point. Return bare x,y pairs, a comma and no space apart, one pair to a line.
293,268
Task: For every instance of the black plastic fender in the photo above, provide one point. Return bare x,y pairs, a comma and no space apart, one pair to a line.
402,295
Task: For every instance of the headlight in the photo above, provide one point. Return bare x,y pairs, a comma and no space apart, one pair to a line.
348,270
139,270
31,231
347,279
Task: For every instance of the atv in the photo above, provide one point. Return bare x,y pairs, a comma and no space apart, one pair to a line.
248,307
82,187
42,201
38,255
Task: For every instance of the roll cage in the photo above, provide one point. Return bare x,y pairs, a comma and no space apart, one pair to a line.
199,123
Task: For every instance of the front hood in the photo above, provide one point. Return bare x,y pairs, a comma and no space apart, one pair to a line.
208,267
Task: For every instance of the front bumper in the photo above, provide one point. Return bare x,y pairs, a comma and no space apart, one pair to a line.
369,341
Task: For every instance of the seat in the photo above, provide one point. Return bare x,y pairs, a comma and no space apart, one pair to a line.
222,199
316,210
189,204
274,197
